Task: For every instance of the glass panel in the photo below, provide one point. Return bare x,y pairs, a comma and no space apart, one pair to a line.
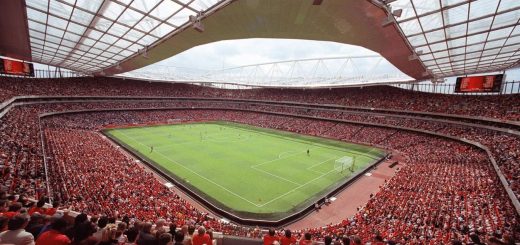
81,17
457,51
455,43
505,19
417,40
72,37
135,47
60,9
144,5
57,22
205,4
103,24
182,17
107,38
411,27
163,29
147,24
438,46
490,52
55,32
36,15
456,15
495,44
134,35
36,26
88,41
508,4
39,4
482,8
479,25
165,9
113,10
476,47
147,40
118,30
510,48
130,17
405,5
513,40
435,36
75,28
426,57
477,38
500,33
90,5
432,21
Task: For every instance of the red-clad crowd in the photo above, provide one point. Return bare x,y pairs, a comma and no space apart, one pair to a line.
505,107
447,191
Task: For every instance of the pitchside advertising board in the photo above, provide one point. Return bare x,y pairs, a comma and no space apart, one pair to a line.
475,84
13,67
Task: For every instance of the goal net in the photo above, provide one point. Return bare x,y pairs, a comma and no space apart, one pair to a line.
344,163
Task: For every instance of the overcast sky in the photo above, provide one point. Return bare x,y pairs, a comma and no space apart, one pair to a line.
235,53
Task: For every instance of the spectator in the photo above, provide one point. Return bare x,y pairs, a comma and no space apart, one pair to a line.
145,235
102,223
270,237
288,239
202,237
35,225
15,233
166,239
131,235
179,238
56,234
306,239
328,240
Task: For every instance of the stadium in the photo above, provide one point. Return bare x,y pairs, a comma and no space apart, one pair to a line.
259,122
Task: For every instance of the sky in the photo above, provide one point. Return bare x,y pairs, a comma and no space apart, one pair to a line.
220,55
233,53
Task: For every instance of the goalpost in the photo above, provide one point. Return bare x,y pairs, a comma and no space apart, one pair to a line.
344,163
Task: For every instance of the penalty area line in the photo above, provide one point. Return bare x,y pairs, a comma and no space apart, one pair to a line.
293,190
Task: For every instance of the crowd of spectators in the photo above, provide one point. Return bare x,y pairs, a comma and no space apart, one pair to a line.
25,222
386,97
446,191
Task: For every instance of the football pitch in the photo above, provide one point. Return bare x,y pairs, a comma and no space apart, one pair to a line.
253,172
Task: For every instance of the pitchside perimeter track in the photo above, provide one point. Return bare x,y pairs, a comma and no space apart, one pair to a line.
254,173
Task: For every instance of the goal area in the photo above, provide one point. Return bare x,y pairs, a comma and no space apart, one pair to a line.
344,163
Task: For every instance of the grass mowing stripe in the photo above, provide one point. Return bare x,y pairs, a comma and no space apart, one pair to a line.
173,161
253,172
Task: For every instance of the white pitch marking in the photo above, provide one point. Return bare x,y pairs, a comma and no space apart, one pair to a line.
211,181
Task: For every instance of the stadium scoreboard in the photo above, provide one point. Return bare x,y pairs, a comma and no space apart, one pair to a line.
488,83
13,67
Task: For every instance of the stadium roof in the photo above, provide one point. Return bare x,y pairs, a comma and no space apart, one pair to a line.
455,37
450,37
94,34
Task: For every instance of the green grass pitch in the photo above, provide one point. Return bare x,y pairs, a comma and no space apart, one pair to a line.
253,172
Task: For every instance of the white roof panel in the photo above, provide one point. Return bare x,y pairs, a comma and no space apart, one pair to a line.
470,36
95,34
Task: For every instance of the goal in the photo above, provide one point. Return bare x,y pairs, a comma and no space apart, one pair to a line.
344,163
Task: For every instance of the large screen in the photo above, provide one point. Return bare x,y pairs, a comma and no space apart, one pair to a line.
13,67
489,83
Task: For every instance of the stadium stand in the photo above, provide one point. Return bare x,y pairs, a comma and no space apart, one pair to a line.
447,190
